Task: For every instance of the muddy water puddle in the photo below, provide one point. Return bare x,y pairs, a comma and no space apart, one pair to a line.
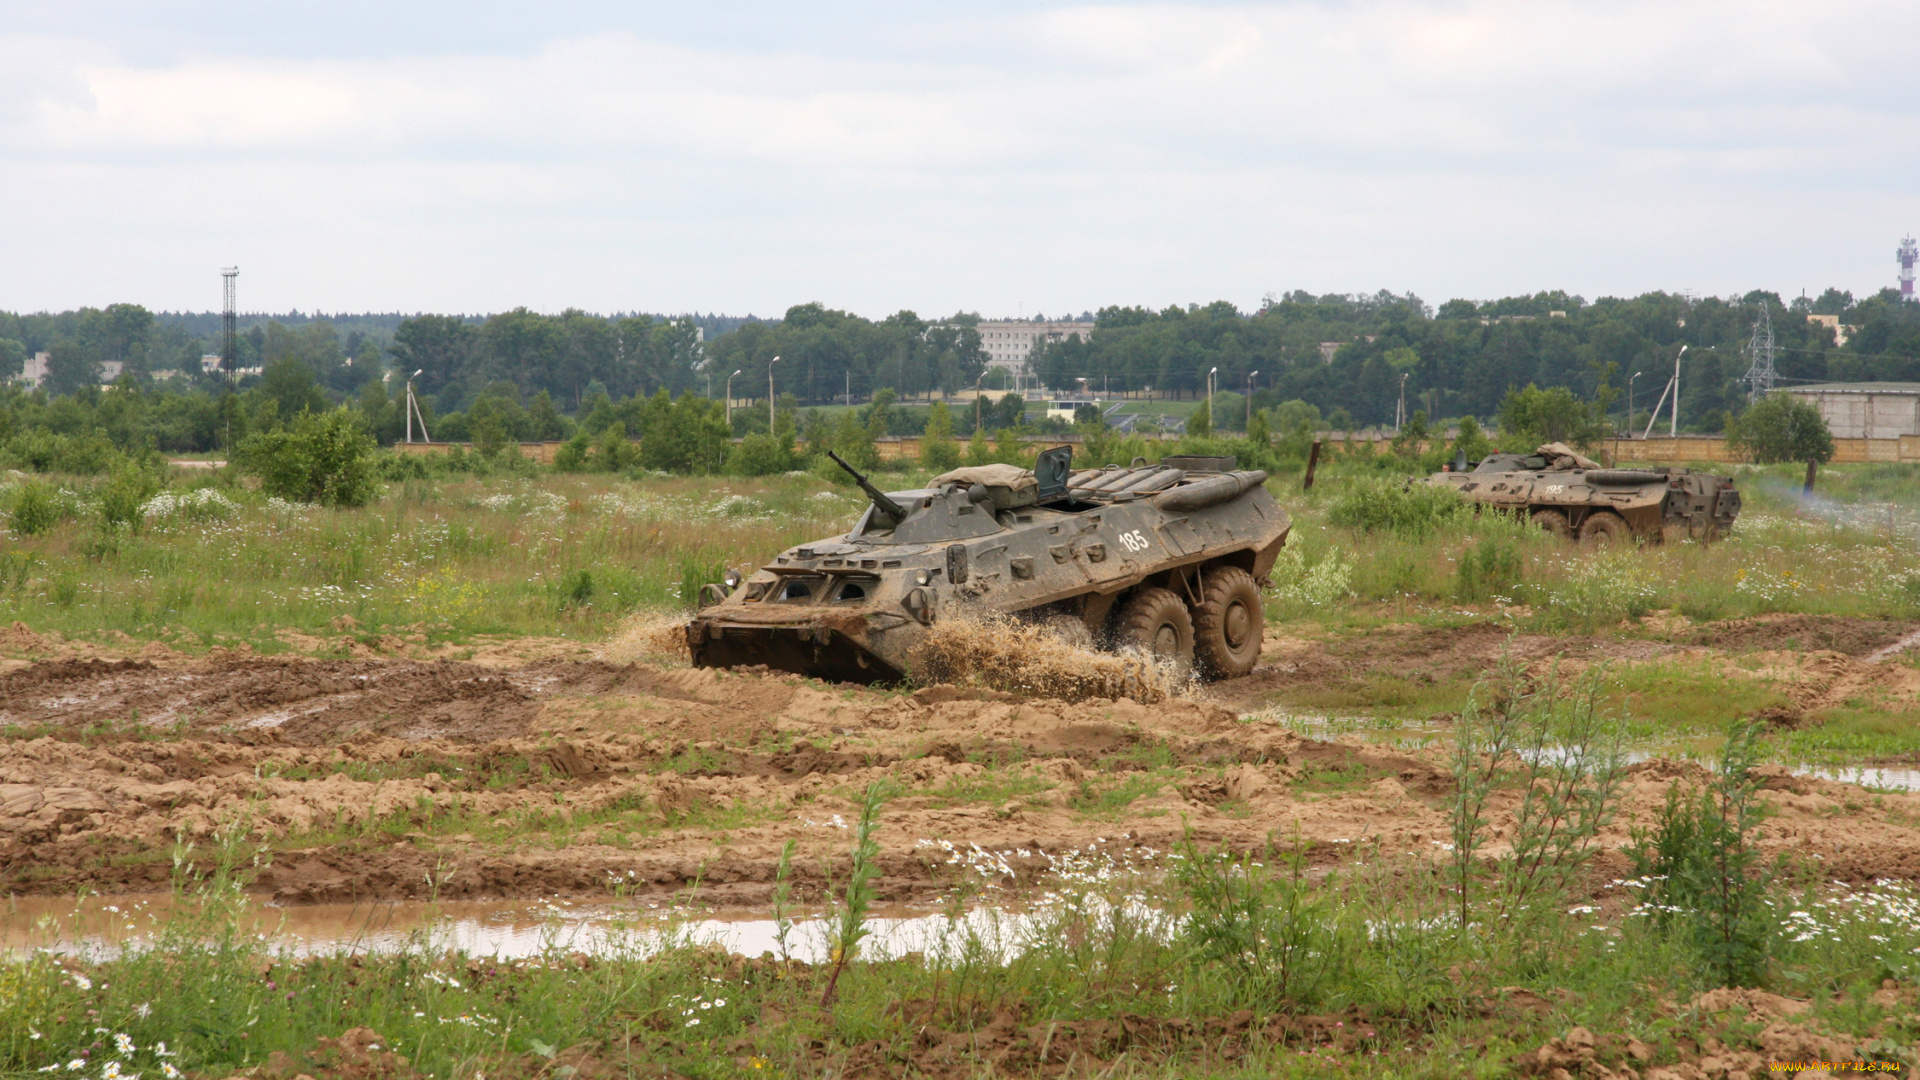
504,929
1402,735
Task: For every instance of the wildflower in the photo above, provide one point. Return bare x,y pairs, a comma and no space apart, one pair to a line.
122,1043
167,1070
143,1010
76,1064
82,981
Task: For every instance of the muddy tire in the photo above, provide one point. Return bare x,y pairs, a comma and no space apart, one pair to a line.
1553,522
1156,621
1603,530
1227,624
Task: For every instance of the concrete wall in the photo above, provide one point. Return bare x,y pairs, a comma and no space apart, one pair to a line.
1865,414
541,452
1713,448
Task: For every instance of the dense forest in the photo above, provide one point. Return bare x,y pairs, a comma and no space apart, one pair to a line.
1463,359
522,374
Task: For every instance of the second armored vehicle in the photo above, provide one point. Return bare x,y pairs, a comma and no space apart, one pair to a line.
1166,558
1572,496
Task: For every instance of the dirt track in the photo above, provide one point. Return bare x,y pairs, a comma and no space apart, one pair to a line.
516,777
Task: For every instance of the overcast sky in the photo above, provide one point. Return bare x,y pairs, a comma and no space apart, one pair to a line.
998,157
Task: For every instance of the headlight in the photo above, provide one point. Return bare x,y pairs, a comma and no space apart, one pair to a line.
921,577
732,578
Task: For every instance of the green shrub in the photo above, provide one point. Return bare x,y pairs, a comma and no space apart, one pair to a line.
760,454
1491,567
125,494
697,572
1704,873
574,590
324,458
1272,932
1599,591
1410,511
36,509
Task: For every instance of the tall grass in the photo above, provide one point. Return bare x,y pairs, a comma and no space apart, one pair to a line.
559,555
1204,962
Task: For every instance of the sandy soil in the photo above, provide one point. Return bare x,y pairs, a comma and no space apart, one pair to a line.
533,770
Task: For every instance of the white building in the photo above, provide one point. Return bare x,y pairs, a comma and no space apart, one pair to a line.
34,371
1865,410
1010,343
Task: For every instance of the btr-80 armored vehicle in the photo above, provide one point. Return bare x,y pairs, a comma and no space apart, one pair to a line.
1571,496
1166,558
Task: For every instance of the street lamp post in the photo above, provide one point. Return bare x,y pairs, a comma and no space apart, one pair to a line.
736,371
1401,421
412,408
1630,379
770,364
1250,376
1210,417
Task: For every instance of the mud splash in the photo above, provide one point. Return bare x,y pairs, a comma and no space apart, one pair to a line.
1041,659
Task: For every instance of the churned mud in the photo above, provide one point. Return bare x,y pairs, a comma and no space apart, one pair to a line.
547,772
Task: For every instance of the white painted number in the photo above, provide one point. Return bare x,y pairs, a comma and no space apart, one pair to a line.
1134,541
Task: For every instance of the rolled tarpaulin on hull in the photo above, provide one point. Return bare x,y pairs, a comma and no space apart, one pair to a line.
1211,491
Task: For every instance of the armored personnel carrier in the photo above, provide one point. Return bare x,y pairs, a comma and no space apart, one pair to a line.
1168,558
1575,497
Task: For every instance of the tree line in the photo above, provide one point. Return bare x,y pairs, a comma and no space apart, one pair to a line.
1340,361
1352,356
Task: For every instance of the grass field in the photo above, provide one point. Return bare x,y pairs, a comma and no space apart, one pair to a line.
1279,958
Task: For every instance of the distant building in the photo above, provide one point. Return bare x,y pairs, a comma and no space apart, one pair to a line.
1833,323
1010,343
110,370
35,370
209,363
1865,410
1327,349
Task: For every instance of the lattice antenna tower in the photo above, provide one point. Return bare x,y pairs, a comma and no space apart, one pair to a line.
1909,253
1760,375
229,325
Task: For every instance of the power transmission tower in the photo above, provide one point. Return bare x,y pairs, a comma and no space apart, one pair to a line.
1760,375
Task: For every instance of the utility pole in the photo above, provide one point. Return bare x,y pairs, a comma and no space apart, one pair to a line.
229,344
1630,379
1401,420
1250,376
1673,425
770,364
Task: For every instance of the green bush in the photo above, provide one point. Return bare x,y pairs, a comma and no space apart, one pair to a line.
1491,567
1409,511
1272,931
125,493
36,509
1703,871
760,454
697,572
324,458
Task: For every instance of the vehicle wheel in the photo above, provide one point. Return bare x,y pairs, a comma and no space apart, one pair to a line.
1604,530
1227,624
1155,620
1553,522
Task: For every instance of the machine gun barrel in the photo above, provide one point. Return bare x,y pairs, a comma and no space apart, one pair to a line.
886,505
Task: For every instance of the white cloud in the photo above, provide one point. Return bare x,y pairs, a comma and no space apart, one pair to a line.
1062,158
